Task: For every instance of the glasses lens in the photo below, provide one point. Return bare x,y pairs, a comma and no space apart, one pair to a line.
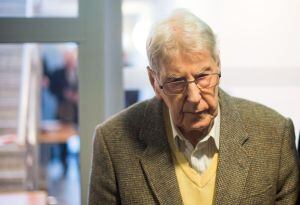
204,81
207,81
174,87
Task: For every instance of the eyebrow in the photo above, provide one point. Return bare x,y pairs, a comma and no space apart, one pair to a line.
173,77
202,70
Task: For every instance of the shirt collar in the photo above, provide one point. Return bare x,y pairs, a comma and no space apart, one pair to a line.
214,132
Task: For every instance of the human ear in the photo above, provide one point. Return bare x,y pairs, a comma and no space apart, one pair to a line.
219,64
218,61
154,83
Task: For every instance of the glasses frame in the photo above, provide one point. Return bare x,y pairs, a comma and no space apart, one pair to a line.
187,82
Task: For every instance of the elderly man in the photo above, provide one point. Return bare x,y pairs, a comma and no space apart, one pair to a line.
192,143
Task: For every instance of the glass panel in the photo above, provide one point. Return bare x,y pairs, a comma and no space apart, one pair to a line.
15,62
10,69
38,8
59,138
136,24
39,121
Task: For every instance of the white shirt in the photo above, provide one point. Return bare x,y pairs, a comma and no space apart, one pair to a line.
201,156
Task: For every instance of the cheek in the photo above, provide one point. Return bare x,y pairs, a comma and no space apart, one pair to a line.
175,106
212,100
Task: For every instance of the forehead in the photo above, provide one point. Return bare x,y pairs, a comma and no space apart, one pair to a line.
187,63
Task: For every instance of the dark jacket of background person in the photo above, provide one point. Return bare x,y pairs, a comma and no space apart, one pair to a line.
258,164
63,90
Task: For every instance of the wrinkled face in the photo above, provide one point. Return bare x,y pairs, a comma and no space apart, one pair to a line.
194,110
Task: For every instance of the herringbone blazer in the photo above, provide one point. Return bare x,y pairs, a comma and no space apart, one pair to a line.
132,163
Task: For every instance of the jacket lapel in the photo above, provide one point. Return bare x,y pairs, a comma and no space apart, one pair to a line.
156,160
233,164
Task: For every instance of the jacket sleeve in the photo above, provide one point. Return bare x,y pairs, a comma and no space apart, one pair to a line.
288,179
102,185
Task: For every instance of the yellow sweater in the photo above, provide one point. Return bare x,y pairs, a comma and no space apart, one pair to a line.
195,189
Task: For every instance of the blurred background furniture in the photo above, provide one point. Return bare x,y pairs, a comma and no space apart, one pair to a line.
24,198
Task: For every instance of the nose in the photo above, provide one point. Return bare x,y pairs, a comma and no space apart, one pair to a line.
193,92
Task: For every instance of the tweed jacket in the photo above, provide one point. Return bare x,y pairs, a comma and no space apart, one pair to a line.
132,162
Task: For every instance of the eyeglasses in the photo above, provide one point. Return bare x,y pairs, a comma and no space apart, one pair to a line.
203,81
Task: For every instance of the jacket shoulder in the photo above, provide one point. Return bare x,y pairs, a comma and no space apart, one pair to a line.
258,118
125,123
255,117
129,117
249,109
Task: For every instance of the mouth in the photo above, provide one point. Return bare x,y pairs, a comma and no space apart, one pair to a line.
196,112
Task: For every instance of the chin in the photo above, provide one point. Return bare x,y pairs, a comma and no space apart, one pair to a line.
199,125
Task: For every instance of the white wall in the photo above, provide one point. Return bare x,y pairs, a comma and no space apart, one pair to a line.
256,33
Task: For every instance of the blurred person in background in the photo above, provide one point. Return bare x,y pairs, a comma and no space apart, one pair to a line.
193,143
64,86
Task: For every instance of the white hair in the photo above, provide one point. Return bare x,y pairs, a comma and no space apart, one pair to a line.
181,34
